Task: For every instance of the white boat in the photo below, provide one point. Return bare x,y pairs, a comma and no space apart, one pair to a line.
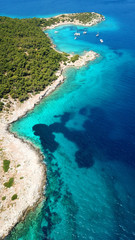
75,38
76,34
56,32
97,35
84,32
101,40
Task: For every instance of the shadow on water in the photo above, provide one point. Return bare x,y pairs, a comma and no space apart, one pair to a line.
47,137
96,135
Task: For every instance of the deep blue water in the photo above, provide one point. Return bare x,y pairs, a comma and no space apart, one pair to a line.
86,129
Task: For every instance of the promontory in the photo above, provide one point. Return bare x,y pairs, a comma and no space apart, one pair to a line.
30,69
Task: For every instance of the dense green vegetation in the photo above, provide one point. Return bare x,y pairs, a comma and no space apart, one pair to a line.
14,197
6,164
85,17
27,61
9,183
75,58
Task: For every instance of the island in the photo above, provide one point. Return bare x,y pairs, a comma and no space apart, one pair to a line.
30,69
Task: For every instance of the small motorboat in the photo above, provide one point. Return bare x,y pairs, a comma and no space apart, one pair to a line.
84,32
97,35
101,40
76,34
56,32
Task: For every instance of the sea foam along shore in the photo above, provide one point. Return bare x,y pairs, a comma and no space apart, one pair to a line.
26,165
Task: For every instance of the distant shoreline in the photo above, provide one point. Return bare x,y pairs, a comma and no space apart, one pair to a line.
25,158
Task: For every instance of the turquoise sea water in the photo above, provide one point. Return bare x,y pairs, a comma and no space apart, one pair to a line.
86,131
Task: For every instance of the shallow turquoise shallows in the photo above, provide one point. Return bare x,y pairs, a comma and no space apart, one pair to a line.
85,130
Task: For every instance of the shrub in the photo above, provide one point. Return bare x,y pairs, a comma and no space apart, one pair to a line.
1,106
14,197
9,183
6,164
8,105
3,198
75,58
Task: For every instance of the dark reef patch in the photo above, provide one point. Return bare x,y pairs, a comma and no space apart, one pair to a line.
96,135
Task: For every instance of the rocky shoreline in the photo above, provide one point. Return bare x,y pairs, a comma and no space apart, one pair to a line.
75,22
26,161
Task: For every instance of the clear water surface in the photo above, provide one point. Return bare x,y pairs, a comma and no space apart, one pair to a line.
86,128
